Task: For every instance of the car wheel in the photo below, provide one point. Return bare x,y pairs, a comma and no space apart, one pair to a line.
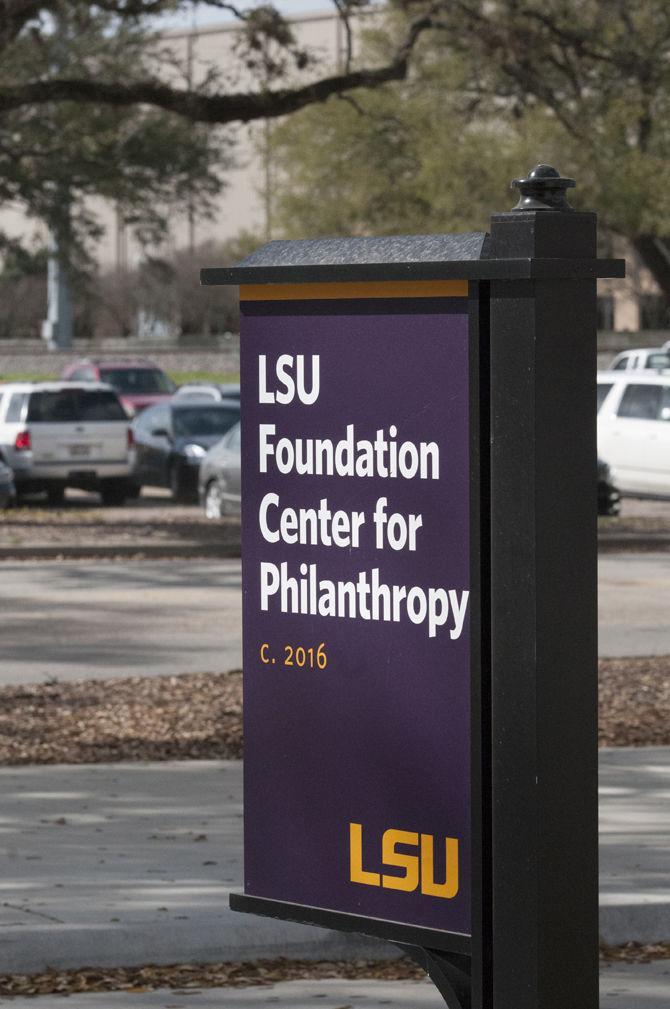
55,496
214,500
113,492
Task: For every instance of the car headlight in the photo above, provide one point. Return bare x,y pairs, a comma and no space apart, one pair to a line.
194,452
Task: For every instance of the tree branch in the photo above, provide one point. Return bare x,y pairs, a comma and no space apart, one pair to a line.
220,108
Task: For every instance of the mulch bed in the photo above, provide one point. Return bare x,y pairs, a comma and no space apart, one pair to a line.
140,527
199,715
634,701
634,952
196,716
188,978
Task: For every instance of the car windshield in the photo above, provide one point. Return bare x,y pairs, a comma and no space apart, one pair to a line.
137,381
74,405
204,420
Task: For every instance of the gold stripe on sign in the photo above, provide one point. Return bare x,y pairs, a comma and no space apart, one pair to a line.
355,289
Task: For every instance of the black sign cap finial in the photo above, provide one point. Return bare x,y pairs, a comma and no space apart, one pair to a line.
544,189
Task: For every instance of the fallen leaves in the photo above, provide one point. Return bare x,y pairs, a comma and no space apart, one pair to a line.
139,525
634,701
199,715
189,977
635,952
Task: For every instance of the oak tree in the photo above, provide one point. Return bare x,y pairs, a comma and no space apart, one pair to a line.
495,86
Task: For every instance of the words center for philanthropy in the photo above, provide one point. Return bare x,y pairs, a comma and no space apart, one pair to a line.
301,587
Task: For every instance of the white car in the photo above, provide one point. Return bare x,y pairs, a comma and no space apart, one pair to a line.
64,434
652,358
634,431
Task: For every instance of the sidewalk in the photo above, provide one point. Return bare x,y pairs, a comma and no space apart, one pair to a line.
635,844
131,864
636,986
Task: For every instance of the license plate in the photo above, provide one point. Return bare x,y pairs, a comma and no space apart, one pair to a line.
80,451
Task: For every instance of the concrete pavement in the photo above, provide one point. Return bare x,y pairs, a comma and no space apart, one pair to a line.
97,619
631,986
168,617
131,864
634,590
634,786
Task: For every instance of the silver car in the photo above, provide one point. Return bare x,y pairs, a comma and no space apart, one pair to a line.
219,480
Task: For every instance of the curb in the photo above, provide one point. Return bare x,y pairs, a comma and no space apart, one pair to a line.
607,543
213,938
122,551
622,542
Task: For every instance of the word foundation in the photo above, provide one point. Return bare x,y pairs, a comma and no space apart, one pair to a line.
366,598
382,457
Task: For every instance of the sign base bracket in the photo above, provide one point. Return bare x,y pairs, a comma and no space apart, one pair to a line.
406,936
449,972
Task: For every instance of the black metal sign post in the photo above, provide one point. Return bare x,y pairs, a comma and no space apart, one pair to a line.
489,341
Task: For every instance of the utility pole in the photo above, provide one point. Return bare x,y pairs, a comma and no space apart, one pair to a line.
190,57
57,327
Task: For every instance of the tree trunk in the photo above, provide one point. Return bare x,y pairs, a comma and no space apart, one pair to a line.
655,255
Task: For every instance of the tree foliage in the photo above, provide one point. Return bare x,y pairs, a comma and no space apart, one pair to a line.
55,159
93,104
601,70
397,161
582,82
267,49
495,87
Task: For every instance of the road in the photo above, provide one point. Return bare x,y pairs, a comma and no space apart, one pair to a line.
634,602
74,620
96,619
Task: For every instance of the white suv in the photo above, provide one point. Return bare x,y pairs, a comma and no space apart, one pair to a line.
652,358
634,430
63,434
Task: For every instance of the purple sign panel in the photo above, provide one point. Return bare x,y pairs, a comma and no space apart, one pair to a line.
356,577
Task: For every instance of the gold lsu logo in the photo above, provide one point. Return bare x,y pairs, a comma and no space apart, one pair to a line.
418,868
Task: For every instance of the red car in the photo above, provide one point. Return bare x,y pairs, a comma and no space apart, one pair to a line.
138,383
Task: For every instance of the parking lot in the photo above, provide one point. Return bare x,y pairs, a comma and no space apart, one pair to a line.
122,626
81,620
